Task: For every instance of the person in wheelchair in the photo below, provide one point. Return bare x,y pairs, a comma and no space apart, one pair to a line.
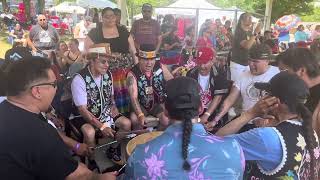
146,82
92,93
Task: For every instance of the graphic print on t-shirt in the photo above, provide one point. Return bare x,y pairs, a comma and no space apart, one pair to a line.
252,92
44,37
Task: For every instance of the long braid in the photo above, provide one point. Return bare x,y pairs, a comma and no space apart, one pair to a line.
309,136
187,129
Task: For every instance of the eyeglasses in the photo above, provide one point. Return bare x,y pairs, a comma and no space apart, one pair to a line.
109,17
42,19
53,84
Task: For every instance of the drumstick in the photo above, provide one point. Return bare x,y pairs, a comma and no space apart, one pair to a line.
112,142
107,144
137,131
122,168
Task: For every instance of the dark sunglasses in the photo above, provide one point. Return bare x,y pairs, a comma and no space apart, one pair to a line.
103,61
53,84
147,11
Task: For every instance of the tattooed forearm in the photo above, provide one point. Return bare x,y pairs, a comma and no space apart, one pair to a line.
129,81
136,106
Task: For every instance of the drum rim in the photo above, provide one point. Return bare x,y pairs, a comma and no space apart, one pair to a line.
156,133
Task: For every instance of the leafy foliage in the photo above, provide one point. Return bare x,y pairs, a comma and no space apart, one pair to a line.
280,7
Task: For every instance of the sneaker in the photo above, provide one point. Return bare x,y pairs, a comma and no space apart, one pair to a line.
114,154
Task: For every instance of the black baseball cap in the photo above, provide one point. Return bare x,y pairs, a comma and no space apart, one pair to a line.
146,6
183,93
288,87
260,52
16,54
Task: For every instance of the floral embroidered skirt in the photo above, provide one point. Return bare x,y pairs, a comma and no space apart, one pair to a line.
119,68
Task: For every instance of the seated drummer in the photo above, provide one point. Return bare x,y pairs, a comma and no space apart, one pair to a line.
185,150
92,93
145,83
213,85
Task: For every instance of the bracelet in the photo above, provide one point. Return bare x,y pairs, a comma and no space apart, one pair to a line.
208,114
103,127
76,148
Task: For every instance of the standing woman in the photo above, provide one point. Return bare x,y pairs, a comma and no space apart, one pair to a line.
243,40
123,53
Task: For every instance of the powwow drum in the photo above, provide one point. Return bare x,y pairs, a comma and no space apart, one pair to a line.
141,139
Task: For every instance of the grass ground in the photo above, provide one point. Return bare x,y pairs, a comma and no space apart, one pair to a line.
4,46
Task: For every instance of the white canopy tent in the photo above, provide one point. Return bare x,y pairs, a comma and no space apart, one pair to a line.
68,7
96,4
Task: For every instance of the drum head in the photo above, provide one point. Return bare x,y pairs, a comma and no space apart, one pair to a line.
141,139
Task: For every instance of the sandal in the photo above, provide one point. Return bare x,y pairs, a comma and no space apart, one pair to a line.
114,154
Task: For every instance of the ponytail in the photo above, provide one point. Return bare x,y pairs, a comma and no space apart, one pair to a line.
309,137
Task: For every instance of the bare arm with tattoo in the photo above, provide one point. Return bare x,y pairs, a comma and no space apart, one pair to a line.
166,73
133,92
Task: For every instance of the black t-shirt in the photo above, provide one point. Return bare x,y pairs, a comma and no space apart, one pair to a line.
31,149
119,44
240,54
314,98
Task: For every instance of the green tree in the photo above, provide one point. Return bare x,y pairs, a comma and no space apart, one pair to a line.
27,10
134,6
4,5
315,17
280,7
41,5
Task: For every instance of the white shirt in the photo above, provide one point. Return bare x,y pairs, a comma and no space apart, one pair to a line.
2,98
245,84
78,89
204,81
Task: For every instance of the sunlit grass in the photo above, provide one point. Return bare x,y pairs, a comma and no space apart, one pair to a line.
4,46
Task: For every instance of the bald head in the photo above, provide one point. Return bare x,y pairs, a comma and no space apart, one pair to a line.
42,21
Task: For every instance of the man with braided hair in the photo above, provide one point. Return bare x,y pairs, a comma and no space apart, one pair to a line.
203,156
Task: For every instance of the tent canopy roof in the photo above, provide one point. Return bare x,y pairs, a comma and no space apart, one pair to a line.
96,3
193,4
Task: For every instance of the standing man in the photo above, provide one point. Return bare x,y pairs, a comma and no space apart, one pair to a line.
30,147
92,93
43,36
146,82
146,30
213,82
260,71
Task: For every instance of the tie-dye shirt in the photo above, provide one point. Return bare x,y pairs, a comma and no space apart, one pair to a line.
210,157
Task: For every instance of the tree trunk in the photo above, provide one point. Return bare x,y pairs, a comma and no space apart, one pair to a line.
27,10
4,5
41,4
